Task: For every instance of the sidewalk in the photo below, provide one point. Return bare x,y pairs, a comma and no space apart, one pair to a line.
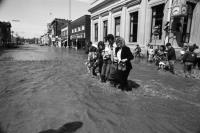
178,68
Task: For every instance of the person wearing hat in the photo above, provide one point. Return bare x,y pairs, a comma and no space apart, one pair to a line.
171,56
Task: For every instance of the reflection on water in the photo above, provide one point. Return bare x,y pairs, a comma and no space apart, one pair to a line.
42,88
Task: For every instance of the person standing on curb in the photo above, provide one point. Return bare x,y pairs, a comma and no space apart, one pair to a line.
197,51
189,59
171,56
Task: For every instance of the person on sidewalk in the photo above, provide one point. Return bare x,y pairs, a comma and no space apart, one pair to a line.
137,51
189,59
124,56
150,53
197,51
171,57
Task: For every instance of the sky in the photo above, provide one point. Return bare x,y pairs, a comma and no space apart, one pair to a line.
32,16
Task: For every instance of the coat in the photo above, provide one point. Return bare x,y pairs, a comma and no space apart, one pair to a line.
126,54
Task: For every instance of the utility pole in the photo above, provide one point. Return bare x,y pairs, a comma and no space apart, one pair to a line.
69,9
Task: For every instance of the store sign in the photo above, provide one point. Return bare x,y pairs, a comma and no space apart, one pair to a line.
179,8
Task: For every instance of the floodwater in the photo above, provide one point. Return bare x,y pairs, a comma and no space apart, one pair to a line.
44,88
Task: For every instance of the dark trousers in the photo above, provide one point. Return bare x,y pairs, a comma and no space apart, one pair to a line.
124,77
198,62
105,71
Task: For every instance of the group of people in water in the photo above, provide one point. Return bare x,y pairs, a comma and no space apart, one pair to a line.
110,61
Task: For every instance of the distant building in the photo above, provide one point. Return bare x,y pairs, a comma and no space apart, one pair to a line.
44,39
54,30
80,32
146,21
65,34
5,33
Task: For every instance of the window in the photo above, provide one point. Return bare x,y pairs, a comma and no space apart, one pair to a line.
187,22
79,28
105,28
133,27
96,32
83,27
157,20
72,30
117,26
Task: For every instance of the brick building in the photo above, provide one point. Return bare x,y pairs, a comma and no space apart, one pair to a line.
54,31
65,34
80,32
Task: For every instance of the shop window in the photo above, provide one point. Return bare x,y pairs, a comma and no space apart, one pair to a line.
105,29
117,26
133,27
96,32
157,22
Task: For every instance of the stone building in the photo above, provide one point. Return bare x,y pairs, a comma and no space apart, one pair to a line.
145,21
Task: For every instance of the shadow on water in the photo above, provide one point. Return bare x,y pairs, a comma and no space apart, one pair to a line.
1,2
1,129
71,127
132,85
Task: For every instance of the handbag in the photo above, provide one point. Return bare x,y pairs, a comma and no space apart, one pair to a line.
122,66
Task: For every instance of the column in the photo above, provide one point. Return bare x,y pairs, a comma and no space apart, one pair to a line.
123,22
100,29
110,23
92,30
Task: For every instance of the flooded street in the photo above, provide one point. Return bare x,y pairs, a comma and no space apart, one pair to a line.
44,88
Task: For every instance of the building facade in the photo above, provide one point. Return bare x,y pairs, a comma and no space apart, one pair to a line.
44,39
142,21
65,34
5,33
80,32
54,31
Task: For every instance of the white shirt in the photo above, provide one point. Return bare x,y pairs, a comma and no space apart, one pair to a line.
119,55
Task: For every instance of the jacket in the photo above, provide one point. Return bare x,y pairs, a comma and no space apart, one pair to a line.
126,54
171,55
189,57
